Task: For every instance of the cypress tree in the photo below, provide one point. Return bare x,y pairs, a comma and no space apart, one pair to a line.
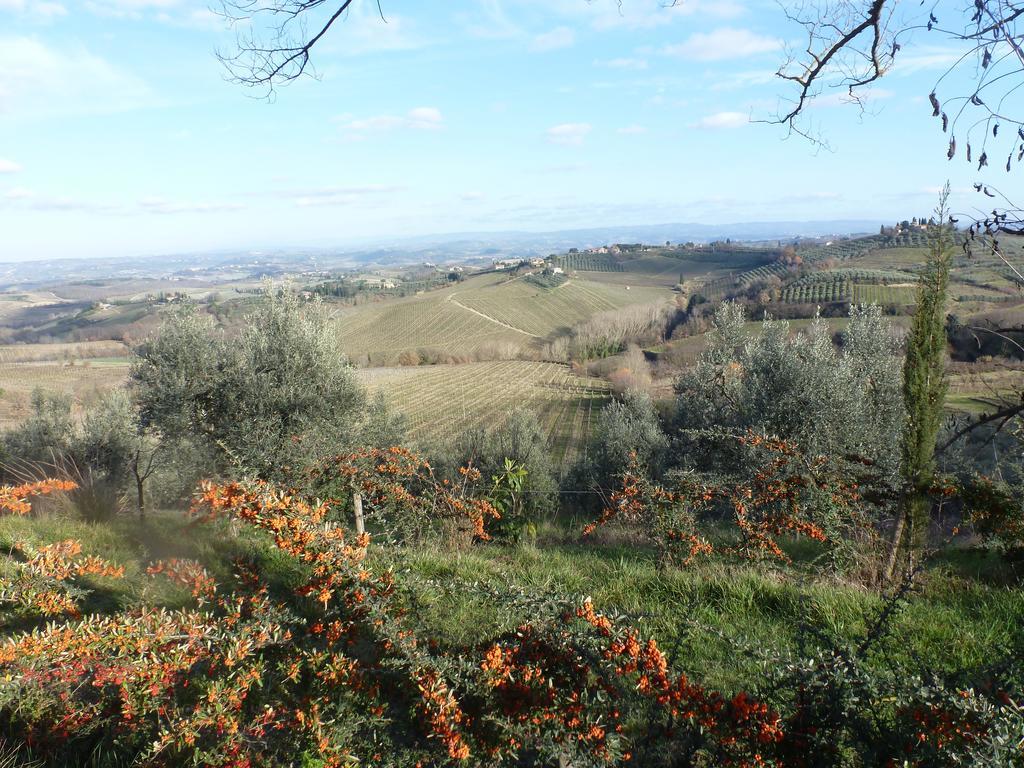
924,390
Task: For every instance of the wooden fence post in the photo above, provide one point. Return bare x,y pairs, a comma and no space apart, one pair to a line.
357,504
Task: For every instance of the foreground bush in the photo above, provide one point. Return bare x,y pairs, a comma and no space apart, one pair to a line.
330,665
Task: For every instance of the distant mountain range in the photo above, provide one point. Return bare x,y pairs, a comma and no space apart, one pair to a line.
641,233
451,247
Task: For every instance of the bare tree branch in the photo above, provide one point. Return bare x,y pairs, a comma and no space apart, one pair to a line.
284,55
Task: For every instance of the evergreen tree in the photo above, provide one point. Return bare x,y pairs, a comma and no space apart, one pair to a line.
924,390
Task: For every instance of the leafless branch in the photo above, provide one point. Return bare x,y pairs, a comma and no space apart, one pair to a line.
851,44
267,55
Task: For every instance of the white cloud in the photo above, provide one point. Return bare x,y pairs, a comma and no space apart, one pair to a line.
471,197
27,199
161,206
67,204
568,134
187,14
326,196
810,197
130,9
420,118
489,22
9,166
561,37
375,124
723,120
723,44
362,30
563,169
43,81
627,63
425,118
738,80
647,14
199,18
719,9
925,58
632,130
39,9
47,10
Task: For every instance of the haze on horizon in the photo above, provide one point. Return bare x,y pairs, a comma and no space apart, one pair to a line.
120,136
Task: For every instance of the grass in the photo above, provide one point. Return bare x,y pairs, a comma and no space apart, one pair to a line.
721,614
884,294
718,616
136,545
984,391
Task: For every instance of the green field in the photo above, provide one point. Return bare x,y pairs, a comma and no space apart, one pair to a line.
440,400
884,294
482,313
379,333
544,312
868,271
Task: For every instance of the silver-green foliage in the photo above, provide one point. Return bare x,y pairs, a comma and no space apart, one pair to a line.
270,401
830,400
46,437
626,428
517,437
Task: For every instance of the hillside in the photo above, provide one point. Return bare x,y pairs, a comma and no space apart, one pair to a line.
487,326
875,269
488,315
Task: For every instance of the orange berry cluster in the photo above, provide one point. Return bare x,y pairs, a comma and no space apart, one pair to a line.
17,499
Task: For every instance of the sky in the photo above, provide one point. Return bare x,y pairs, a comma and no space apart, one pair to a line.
120,134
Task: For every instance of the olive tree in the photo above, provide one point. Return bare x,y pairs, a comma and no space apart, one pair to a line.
626,428
47,436
268,401
115,442
519,438
800,387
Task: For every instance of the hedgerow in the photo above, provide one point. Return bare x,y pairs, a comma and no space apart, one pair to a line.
337,670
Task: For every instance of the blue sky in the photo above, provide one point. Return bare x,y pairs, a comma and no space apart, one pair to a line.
119,134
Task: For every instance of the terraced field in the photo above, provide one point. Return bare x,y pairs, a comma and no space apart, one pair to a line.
480,313
85,350
83,370
439,401
884,294
382,332
85,381
542,312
